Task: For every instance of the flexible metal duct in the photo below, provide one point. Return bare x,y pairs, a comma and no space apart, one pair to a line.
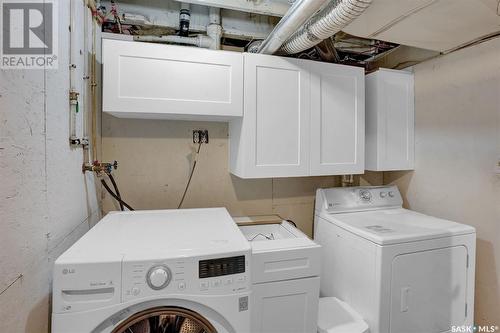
299,13
329,21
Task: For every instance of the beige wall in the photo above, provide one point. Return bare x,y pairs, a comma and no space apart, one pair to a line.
457,132
154,163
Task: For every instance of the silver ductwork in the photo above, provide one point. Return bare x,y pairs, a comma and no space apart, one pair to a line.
325,24
295,17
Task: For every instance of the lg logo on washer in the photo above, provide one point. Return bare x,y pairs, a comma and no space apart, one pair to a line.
68,271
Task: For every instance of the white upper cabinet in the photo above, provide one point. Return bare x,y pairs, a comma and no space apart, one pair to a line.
337,119
272,139
390,120
155,81
301,118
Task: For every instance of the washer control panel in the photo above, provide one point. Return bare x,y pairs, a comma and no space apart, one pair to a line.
158,277
224,275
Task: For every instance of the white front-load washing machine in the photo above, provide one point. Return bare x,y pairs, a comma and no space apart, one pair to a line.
164,271
402,271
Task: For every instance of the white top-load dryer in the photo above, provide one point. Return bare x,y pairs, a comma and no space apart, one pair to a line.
154,271
402,271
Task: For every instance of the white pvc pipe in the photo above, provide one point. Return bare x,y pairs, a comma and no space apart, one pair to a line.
300,11
214,28
200,40
212,41
328,22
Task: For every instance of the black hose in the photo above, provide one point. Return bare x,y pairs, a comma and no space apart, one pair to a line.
190,177
117,198
116,190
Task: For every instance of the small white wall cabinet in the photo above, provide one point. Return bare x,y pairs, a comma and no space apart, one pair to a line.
272,139
301,118
390,120
337,119
155,81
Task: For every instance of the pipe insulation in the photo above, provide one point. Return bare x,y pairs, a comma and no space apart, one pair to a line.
335,16
294,18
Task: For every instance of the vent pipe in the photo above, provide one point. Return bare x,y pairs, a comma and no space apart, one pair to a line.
335,16
184,19
294,18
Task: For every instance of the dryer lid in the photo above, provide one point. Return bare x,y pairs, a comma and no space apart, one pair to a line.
397,225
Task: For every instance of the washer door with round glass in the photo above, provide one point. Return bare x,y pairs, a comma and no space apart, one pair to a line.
167,319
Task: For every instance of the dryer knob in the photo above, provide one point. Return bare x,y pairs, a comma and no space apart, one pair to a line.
158,277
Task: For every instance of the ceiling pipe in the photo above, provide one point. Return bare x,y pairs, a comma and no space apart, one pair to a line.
214,28
184,19
335,16
294,18
211,41
199,41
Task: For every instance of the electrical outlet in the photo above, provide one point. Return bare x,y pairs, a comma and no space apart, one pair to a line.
200,136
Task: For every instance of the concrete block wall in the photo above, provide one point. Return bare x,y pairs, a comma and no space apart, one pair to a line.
46,203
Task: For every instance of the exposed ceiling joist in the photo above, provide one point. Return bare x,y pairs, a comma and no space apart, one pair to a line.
263,7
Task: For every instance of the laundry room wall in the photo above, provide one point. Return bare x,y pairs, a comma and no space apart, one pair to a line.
155,159
46,203
457,146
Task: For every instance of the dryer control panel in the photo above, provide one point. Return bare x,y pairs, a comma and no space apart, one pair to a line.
347,199
211,276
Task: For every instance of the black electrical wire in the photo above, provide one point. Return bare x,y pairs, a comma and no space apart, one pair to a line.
117,198
190,177
116,190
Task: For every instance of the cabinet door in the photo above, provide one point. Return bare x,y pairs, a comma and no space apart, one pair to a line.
285,307
146,80
395,120
337,119
276,120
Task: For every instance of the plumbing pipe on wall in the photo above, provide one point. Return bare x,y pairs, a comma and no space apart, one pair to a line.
73,93
294,18
335,16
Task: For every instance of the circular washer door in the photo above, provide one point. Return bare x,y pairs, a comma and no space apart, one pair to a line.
165,319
